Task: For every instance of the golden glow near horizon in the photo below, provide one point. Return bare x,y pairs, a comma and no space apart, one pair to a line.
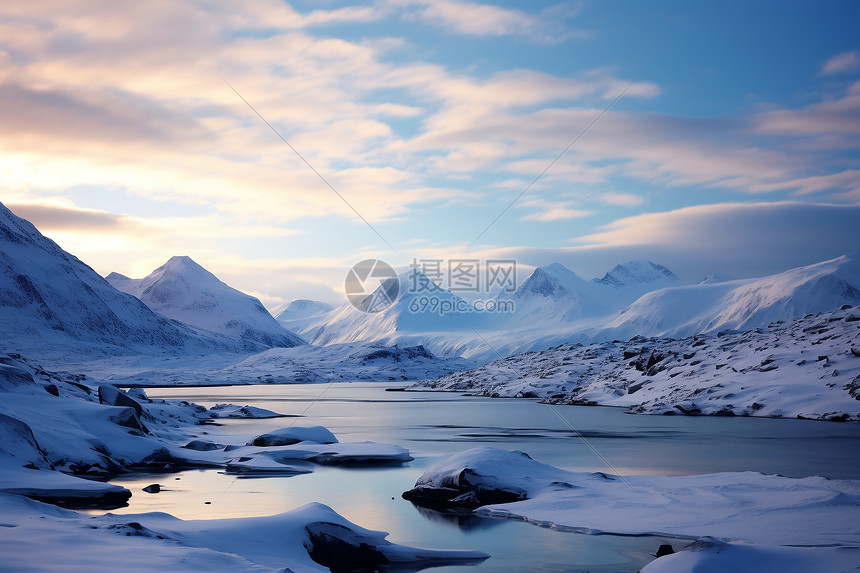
120,139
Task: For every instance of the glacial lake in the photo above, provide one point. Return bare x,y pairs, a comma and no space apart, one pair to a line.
433,425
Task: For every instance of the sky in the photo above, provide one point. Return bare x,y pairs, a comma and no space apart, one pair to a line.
278,143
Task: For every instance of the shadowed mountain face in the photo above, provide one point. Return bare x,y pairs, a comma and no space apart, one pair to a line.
183,290
51,300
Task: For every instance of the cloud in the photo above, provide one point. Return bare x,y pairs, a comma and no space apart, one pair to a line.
741,238
47,217
476,19
552,210
835,116
621,199
843,63
738,239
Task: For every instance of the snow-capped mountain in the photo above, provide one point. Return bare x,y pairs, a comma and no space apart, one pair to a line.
740,304
554,293
634,273
556,306
52,303
183,290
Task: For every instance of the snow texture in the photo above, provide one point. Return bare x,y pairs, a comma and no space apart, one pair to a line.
37,537
807,368
182,290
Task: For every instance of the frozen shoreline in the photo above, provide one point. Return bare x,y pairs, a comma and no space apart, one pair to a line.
755,515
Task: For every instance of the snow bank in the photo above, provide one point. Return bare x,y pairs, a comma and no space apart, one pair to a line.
99,430
713,556
308,539
754,507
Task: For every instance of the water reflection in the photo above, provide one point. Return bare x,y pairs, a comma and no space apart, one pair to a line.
459,518
435,425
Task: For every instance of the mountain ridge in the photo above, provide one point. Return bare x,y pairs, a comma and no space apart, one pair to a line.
52,301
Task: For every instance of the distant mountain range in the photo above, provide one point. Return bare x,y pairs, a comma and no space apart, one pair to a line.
51,301
638,298
183,290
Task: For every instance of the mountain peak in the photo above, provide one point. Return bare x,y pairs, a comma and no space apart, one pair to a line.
182,263
637,272
183,290
52,298
552,281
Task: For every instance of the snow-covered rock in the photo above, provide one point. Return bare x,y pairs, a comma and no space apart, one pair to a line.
183,290
806,368
293,435
235,411
53,304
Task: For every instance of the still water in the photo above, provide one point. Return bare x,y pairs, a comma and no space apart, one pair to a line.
435,425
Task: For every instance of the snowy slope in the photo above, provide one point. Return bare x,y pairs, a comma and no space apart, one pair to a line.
302,312
51,302
741,304
807,368
554,293
420,309
183,290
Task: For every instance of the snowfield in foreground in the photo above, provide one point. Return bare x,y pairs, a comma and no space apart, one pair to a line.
808,368
38,537
769,511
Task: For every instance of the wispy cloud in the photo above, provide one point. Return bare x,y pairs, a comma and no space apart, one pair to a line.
843,63
478,19
552,210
